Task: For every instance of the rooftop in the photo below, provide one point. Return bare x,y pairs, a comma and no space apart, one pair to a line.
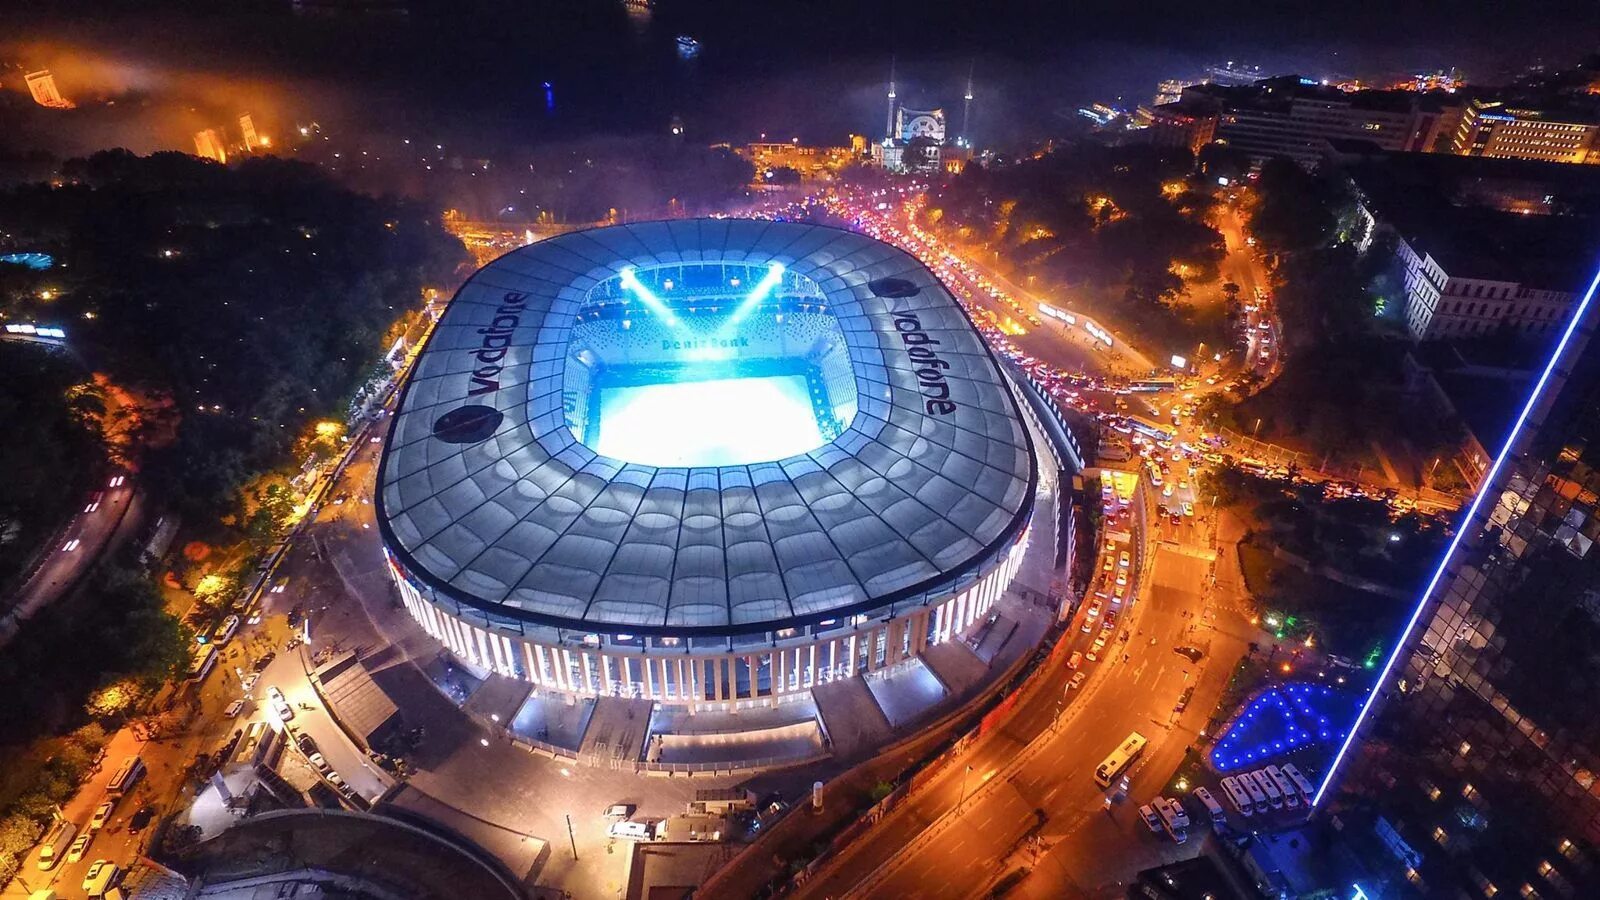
489,497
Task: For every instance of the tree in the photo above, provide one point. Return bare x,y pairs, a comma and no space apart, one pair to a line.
114,699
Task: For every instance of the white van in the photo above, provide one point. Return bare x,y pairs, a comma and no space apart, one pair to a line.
1264,781
1173,819
1300,782
1291,797
1258,797
634,831
1213,808
1237,796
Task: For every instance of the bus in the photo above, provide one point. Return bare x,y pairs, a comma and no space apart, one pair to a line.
1120,759
1291,797
203,661
126,776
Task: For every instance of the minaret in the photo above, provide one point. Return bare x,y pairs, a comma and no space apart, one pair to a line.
966,109
888,125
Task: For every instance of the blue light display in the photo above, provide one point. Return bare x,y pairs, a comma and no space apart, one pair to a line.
36,261
1281,720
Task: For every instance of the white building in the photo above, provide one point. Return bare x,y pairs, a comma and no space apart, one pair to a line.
1461,299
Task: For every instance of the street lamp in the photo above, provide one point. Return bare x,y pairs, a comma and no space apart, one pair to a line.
962,797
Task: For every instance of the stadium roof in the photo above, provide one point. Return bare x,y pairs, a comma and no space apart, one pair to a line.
486,495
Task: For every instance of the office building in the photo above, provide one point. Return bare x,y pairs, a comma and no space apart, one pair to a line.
1499,131
1480,774
1295,117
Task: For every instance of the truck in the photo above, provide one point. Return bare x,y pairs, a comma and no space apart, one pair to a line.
55,844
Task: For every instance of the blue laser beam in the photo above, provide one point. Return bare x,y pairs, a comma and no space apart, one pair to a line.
1455,542
656,304
758,293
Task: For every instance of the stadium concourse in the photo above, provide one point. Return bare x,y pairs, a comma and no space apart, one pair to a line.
703,492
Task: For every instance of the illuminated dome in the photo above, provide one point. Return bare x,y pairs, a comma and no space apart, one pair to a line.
701,427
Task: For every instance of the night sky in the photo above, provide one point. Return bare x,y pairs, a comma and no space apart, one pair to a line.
812,70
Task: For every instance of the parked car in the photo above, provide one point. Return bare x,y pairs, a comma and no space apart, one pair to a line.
79,848
620,810
141,819
102,815
1151,820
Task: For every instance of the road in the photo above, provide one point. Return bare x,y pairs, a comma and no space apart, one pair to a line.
1030,766
87,535
193,724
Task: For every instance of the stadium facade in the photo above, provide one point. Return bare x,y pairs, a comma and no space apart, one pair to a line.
704,461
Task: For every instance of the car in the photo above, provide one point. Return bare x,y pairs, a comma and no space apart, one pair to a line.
333,778
1151,820
116,481
1092,655
140,819
249,680
1093,611
102,815
1075,660
306,744
71,545
233,709
1166,489
620,811
1077,680
1188,508
1109,565
1184,698
1100,641
79,848
282,708
1192,654
98,878
1122,577
274,694
94,501
318,762
278,587
1125,560
1177,519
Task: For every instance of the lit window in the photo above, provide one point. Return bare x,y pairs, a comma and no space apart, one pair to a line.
1440,837
1489,890
1469,792
1568,849
1465,748
1528,892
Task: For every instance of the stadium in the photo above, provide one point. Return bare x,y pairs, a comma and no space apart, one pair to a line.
703,461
